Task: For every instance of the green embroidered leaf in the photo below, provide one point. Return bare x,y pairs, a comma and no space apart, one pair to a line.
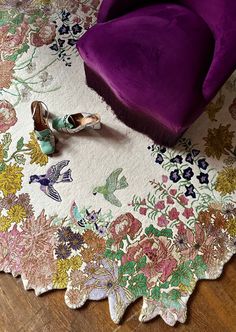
6,141
156,293
2,167
12,30
119,254
141,263
164,232
127,268
121,244
138,285
165,285
199,267
175,294
109,254
183,275
20,159
20,144
18,19
123,280
109,243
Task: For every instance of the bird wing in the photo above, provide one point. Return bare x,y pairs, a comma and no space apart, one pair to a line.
54,171
76,216
51,192
111,182
113,199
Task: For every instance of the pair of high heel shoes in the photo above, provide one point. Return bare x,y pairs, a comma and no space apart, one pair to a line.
67,124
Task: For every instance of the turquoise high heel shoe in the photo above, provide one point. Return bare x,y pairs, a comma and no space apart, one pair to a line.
76,122
42,131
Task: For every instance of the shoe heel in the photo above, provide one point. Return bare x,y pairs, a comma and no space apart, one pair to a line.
97,126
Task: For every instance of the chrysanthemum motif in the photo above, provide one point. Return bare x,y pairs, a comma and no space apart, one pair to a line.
63,251
11,179
35,153
8,201
64,234
76,241
17,213
226,181
229,211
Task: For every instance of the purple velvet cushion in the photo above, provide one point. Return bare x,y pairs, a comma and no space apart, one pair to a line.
155,60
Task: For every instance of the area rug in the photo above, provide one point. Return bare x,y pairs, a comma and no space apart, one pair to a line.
130,218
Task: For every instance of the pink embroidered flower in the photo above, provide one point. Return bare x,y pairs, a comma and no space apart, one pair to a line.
143,211
124,225
181,228
183,200
173,214
188,212
158,251
169,200
10,43
173,192
160,205
164,178
162,221
11,250
7,116
44,36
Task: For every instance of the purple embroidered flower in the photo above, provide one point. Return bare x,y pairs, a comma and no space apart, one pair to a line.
92,216
62,251
195,152
174,176
64,234
202,164
102,231
23,200
64,29
177,159
162,149
76,29
8,201
189,158
188,173
159,159
203,178
76,241
190,191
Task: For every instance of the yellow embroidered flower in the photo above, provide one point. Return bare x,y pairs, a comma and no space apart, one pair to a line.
35,153
231,226
5,223
11,179
1,153
226,181
60,279
17,213
218,141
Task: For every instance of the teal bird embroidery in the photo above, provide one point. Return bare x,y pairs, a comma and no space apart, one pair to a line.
113,183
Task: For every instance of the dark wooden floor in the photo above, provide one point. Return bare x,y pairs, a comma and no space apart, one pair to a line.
211,308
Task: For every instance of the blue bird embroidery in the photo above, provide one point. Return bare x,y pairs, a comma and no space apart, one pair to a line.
52,177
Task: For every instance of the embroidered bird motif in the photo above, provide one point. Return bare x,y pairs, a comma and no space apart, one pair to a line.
112,184
89,218
53,176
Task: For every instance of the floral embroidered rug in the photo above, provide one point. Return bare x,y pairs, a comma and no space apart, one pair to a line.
128,218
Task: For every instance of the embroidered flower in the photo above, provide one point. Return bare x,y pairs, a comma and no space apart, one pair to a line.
162,221
189,158
45,35
183,200
159,159
76,241
35,153
174,176
5,223
177,159
60,278
63,251
202,163
218,141
143,211
231,226
8,201
64,234
226,181
7,115
173,214
229,211
6,70
17,213
203,178
160,205
190,191
188,212
124,225
11,179
188,173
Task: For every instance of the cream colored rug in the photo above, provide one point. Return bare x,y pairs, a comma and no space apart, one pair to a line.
132,219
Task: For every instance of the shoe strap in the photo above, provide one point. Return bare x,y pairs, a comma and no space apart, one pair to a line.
64,122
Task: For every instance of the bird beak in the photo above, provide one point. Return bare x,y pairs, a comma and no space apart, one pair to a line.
30,181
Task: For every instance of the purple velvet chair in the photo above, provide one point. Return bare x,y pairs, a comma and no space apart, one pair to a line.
159,63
